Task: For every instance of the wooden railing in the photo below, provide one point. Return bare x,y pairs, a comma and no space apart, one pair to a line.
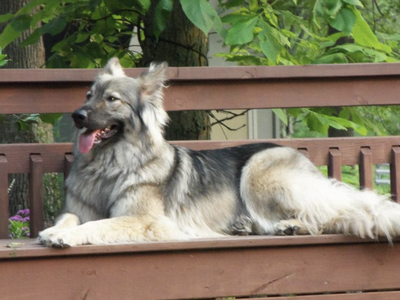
237,266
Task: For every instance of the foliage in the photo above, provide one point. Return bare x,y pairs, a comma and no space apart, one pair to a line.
258,32
3,59
25,120
350,175
19,224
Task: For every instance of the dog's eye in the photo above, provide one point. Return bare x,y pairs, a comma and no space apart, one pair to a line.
112,98
88,95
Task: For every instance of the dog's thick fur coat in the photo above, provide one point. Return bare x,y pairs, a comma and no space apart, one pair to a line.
128,184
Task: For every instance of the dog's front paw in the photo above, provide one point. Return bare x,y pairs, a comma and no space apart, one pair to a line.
61,238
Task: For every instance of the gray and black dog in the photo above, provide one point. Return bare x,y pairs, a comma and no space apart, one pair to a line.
128,184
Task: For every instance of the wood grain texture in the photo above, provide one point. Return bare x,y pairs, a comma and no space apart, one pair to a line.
4,202
68,160
206,268
53,155
390,295
335,164
36,204
204,273
395,174
366,168
204,88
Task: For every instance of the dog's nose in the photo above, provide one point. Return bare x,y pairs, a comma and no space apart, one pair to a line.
80,117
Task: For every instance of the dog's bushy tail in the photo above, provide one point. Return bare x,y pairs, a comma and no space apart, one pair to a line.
339,208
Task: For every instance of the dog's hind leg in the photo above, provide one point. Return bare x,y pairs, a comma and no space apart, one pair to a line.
282,184
291,227
268,193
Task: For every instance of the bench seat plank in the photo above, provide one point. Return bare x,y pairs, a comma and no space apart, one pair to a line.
235,266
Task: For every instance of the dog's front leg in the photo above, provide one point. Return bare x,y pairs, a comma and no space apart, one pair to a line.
117,230
64,222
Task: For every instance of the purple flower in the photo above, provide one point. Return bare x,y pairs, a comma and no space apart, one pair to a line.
23,212
17,218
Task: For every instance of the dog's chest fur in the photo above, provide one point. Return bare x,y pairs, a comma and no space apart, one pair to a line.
115,175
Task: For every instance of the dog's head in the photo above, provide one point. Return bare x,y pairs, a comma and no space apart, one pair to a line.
119,107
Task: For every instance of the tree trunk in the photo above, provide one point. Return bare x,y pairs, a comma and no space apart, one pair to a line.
32,56
333,132
180,44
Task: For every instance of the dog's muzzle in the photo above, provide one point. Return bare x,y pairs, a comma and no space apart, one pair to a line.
80,118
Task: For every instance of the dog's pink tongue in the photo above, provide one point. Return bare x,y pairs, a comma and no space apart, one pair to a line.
86,140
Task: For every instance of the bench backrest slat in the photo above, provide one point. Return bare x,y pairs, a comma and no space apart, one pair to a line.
49,90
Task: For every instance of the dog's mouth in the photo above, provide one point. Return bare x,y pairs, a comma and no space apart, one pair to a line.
91,137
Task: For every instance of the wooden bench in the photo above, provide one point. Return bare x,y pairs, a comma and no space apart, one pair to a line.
300,267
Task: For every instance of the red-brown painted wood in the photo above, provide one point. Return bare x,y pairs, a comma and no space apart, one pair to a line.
357,295
36,204
53,155
366,168
4,203
239,267
335,164
202,88
68,160
395,173
203,273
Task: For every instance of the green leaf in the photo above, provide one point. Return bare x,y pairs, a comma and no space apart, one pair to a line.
8,35
144,3
233,18
104,27
21,23
50,118
364,36
344,20
281,114
32,38
81,37
346,123
56,62
55,26
6,17
336,58
200,13
332,7
354,2
233,3
315,124
390,37
253,4
270,50
162,14
32,118
241,32
377,55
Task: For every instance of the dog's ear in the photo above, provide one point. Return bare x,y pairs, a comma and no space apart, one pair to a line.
113,67
152,80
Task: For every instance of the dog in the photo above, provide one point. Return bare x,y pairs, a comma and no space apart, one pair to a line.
128,184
